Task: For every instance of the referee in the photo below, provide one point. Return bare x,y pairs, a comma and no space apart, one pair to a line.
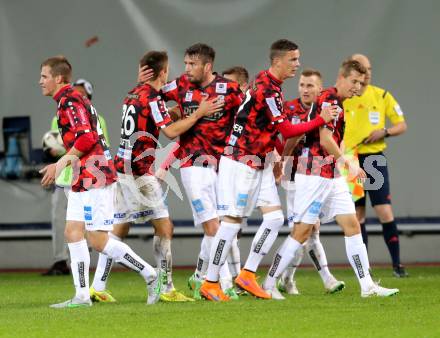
366,130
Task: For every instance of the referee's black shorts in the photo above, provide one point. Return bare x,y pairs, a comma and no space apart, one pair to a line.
381,194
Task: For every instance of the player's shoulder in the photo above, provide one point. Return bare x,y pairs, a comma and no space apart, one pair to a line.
327,95
71,97
180,81
379,92
291,104
224,85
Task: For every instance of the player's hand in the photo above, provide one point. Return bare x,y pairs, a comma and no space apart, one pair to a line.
48,173
207,107
144,74
175,113
329,113
354,170
278,171
376,135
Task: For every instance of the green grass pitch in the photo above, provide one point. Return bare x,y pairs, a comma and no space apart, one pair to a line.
415,312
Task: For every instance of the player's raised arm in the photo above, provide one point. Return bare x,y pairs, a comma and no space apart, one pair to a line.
207,107
289,130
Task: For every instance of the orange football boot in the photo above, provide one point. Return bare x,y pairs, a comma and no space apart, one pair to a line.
248,281
213,291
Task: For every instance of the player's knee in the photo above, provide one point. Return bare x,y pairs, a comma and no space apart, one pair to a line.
274,218
210,227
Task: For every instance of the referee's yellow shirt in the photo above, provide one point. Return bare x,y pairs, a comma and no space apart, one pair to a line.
366,113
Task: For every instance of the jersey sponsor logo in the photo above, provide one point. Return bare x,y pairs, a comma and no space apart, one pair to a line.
242,200
169,86
188,96
315,208
197,205
261,241
221,87
273,106
157,116
374,117
398,110
218,252
133,96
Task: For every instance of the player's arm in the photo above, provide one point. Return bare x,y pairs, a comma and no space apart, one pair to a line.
289,130
327,141
207,107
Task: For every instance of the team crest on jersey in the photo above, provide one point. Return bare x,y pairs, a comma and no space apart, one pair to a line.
188,96
220,88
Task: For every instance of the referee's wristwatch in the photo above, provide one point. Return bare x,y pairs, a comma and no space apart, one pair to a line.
387,133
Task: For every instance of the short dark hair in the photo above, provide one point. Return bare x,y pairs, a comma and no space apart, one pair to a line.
241,73
59,65
350,65
203,51
310,72
156,60
281,46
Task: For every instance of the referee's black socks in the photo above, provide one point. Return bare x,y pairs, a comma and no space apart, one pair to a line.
391,237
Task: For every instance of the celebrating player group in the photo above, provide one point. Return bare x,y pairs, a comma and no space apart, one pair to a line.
236,140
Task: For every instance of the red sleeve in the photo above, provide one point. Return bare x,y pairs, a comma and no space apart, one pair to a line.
85,142
171,157
288,129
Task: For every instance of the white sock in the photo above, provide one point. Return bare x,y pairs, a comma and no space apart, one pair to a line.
80,263
316,252
103,268
234,258
225,277
163,257
358,258
203,259
264,239
220,248
289,273
124,255
281,260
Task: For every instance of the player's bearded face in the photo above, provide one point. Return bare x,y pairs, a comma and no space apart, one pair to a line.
309,87
194,69
47,81
289,63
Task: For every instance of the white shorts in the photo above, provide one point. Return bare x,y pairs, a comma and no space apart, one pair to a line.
319,198
94,207
200,184
268,195
238,188
139,199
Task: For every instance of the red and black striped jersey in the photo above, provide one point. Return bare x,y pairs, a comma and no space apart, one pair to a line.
254,131
203,144
296,112
314,159
144,113
77,116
